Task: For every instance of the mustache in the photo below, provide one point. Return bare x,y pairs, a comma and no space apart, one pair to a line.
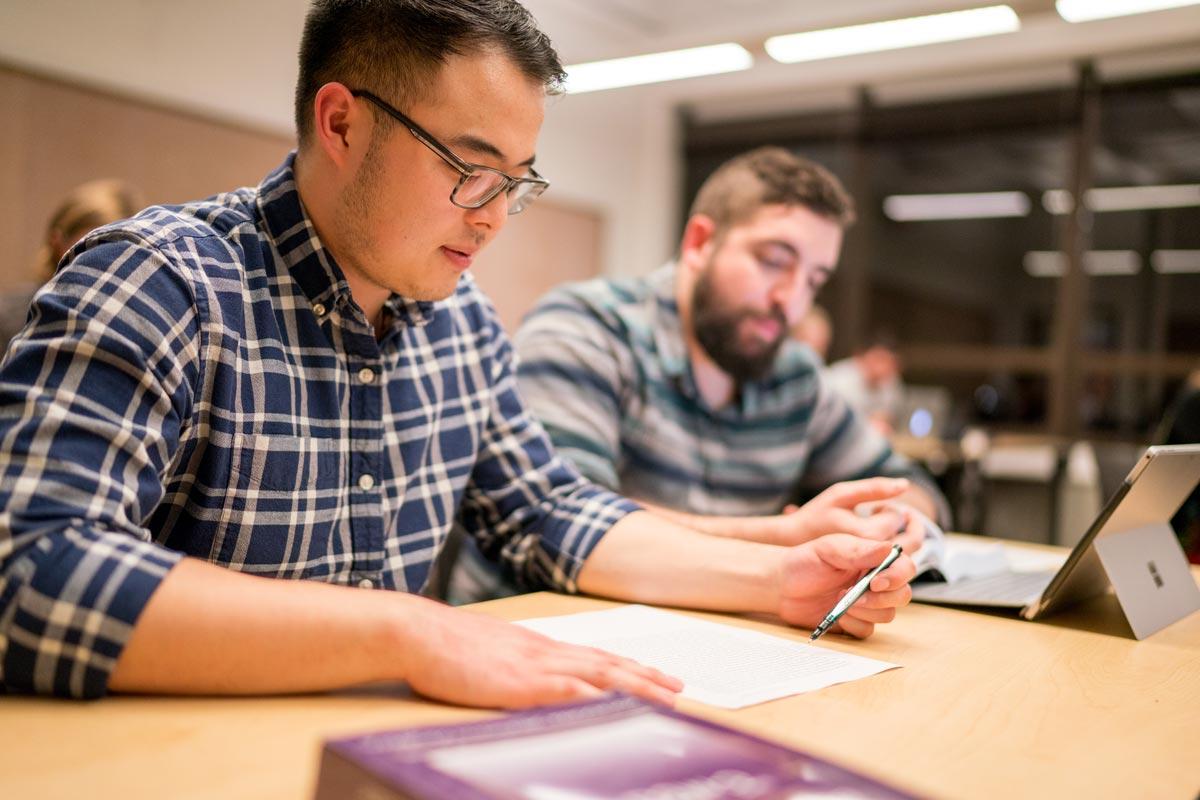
775,314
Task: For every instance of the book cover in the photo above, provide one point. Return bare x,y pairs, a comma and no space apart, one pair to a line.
613,747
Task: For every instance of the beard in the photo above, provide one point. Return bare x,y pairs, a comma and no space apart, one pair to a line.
717,327
359,202
360,215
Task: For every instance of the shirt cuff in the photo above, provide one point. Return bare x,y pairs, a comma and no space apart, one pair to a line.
74,598
593,511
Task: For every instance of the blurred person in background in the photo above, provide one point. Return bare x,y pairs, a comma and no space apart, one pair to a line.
86,207
815,329
871,383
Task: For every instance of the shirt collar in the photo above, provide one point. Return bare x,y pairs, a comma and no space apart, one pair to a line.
312,266
668,327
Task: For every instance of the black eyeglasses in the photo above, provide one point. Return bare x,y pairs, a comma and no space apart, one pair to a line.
477,184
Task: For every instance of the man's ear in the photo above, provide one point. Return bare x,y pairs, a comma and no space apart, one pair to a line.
340,125
698,237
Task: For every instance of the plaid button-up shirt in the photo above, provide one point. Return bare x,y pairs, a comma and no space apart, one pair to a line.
197,381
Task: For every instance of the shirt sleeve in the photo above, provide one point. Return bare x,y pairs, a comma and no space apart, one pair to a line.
525,504
573,375
845,448
92,395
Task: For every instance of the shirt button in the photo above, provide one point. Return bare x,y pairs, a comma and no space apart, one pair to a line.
319,309
365,583
366,375
366,482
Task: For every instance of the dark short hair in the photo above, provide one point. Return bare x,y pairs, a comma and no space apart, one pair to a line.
771,176
394,48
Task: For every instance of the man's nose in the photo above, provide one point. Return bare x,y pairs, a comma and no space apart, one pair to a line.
792,295
491,215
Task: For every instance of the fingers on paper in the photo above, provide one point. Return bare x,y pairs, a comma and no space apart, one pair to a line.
604,672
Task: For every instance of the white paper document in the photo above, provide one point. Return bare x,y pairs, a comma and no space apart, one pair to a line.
721,665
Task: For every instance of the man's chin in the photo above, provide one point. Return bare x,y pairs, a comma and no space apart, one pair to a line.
431,293
754,363
758,350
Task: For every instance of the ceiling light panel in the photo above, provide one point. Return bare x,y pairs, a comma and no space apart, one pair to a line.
656,67
1087,10
976,205
893,34
1136,198
1126,198
1098,263
1175,262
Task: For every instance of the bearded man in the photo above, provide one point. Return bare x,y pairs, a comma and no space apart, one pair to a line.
683,389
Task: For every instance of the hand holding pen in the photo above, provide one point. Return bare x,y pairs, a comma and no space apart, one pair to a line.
816,575
856,591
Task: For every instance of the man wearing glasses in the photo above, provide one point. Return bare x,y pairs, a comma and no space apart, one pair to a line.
299,381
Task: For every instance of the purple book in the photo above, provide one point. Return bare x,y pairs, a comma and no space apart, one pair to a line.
614,747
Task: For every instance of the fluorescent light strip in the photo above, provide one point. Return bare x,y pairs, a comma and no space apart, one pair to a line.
656,67
1126,198
892,34
978,205
1111,262
1087,10
1133,198
1058,201
1045,263
1053,264
1175,262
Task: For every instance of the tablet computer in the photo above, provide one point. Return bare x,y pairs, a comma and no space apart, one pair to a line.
1130,546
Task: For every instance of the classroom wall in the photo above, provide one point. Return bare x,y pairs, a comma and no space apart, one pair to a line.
58,135
618,152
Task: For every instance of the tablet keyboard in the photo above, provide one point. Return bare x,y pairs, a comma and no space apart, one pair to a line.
1004,588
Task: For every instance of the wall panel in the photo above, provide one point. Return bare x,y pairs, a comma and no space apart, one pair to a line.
57,135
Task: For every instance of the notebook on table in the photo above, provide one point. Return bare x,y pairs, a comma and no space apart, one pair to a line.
612,747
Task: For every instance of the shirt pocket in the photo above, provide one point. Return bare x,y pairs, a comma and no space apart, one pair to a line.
286,463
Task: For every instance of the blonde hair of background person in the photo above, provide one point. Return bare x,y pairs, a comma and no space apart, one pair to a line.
86,207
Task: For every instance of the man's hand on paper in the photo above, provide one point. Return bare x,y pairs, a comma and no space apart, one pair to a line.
835,511
815,575
470,659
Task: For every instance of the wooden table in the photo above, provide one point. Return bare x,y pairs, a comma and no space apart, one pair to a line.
986,705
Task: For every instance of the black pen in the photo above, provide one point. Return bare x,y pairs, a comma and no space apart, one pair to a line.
856,591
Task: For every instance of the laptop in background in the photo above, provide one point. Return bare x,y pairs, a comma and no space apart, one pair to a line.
924,411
